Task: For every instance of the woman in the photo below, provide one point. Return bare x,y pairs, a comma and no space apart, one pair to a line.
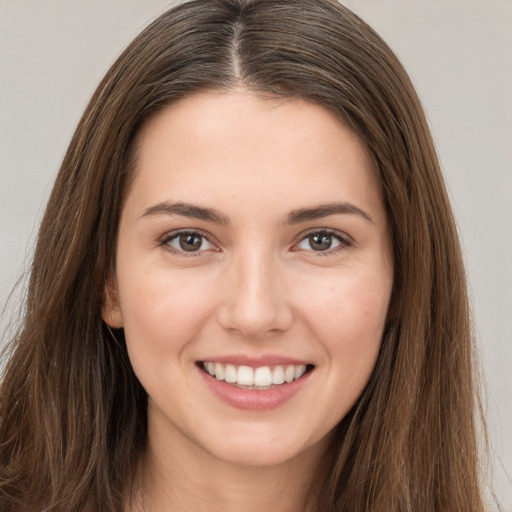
247,289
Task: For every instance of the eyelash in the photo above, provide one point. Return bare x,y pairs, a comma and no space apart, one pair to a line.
168,237
343,242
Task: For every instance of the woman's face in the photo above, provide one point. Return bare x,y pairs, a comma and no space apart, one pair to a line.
253,275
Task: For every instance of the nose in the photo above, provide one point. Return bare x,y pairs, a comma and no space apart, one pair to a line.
255,300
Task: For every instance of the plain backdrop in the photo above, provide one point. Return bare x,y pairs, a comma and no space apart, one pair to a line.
458,53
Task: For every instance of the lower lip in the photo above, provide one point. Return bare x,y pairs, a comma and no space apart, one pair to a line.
254,399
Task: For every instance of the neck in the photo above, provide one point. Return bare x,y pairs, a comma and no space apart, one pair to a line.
182,477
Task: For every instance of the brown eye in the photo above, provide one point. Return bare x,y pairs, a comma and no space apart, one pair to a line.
323,242
320,241
188,242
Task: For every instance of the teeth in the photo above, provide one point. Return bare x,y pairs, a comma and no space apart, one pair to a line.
210,368
245,376
300,370
278,375
230,375
219,371
261,377
289,373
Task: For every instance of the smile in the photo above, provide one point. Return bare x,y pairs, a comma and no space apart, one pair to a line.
259,378
257,387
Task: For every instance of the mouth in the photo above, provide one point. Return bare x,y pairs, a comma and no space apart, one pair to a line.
259,378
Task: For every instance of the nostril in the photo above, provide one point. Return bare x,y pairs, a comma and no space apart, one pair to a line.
253,319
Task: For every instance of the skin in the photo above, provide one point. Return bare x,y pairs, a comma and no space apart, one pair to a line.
256,287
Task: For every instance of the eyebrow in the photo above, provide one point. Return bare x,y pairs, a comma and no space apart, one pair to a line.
216,217
324,210
187,210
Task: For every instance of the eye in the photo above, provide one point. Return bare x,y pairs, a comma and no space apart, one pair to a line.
188,242
322,241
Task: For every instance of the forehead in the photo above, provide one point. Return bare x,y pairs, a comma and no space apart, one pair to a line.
211,146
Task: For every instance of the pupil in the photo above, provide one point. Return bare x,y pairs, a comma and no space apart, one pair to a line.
320,241
190,242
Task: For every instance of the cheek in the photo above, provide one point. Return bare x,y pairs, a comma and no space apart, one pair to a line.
355,302
162,313
348,317
345,320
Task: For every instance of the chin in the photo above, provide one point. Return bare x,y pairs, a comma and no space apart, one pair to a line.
266,448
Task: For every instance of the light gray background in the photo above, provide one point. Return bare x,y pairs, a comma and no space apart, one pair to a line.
458,52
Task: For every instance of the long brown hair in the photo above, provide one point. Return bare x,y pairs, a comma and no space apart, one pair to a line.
72,413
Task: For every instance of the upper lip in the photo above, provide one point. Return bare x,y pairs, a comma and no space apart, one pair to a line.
255,362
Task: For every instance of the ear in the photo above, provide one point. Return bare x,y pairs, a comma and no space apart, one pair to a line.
111,310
